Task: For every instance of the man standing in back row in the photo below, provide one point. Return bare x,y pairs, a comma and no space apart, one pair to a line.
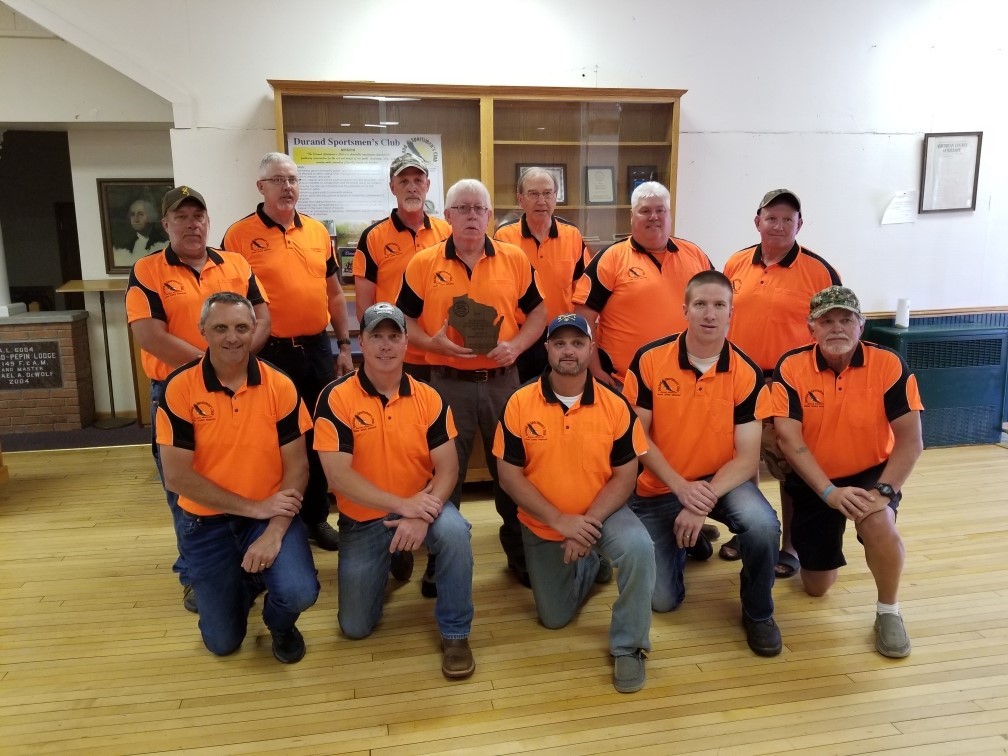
460,298
557,253
293,257
773,282
166,291
634,289
386,247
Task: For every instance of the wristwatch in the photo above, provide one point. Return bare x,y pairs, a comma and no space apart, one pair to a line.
886,490
342,342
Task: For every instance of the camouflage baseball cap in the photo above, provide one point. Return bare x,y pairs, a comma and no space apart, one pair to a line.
404,161
784,195
832,298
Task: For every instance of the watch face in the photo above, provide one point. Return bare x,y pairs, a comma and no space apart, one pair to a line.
885,489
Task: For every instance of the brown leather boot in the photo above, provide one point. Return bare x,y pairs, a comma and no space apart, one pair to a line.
457,660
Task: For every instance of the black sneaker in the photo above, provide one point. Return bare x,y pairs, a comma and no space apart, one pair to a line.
288,647
402,566
189,599
520,573
604,574
428,588
325,535
701,551
763,637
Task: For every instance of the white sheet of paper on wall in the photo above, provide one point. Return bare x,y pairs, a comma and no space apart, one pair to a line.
902,208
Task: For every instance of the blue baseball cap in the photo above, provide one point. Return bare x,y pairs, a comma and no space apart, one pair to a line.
570,320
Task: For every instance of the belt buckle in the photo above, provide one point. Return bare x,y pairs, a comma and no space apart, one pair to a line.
481,376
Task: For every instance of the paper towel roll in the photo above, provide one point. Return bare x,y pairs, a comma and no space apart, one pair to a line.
902,313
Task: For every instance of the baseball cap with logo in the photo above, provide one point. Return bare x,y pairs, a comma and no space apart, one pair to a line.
379,312
832,298
404,161
569,320
177,196
784,195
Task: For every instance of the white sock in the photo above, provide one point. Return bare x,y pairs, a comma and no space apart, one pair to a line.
881,608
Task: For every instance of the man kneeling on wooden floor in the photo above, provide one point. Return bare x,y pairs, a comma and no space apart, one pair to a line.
231,436
385,441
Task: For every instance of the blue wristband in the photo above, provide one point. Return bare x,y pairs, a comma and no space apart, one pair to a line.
829,489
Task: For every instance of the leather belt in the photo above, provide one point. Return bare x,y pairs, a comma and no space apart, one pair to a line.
290,342
472,376
209,519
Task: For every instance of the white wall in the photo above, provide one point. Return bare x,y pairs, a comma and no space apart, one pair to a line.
829,99
110,154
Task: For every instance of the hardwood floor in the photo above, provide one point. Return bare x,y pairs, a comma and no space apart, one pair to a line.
98,656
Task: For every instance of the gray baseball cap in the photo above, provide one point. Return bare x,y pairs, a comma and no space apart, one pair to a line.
380,312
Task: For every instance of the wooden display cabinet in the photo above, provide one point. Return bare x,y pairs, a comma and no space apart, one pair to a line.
487,132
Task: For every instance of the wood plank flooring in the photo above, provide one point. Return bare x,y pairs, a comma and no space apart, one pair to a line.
97,655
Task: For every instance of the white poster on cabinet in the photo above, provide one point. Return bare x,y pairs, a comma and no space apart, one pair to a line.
345,177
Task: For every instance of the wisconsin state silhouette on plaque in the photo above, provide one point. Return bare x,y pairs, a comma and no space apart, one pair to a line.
478,324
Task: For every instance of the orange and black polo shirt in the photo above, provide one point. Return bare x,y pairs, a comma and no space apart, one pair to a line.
390,439
567,454
293,264
161,286
437,284
559,261
693,416
384,250
771,304
235,436
845,418
638,298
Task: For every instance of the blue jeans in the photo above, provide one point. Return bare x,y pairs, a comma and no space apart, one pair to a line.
747,514
560,589
215,547
363,569
157,389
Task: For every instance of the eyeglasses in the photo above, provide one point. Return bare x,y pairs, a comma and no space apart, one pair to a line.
283,180
466,209
541,195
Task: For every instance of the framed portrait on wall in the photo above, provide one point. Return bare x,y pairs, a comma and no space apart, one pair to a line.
131,220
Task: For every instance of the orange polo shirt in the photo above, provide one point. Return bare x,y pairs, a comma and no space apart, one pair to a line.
638,298
567,454
559,260
161,286
235,436
293,264
845,418
383,251
693,416
390,439
437,284
771,303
